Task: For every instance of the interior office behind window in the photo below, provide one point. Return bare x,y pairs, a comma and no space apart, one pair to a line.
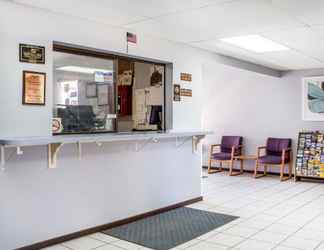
91,97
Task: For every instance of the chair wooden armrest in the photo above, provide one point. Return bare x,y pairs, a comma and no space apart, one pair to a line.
214,146
259,149
234,148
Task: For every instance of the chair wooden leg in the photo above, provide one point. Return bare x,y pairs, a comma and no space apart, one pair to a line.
212,171
242,168
265,170
231,167
290,169
209,166
282,178
282,169
256,175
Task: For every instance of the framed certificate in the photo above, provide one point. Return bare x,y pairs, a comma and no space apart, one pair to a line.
34,84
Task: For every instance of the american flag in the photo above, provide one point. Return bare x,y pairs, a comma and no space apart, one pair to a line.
131,38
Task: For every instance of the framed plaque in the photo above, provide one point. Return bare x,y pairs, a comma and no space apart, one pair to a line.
31,54
34,84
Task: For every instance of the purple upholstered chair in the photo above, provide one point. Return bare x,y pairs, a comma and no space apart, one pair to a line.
277,153
230,146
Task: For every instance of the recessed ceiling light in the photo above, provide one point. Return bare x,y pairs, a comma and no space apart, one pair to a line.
84,70
255,43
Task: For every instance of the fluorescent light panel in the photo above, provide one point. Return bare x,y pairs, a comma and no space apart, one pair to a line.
255,43
84,70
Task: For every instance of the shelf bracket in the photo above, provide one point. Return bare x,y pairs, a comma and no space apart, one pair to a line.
79,150
53,149
139,146
195,141
3,159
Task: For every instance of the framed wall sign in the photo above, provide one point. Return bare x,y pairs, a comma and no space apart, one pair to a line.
185,77
31,54
34,84
176,92
186,92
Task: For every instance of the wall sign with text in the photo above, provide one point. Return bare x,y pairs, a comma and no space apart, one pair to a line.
34,84
186,92
31,53
185,77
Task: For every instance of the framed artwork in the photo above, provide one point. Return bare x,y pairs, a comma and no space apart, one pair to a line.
34,85
91,90
313,98
176,93
31,53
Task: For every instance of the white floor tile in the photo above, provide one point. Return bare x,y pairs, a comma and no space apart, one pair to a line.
300,243
241,231
316,235
103,237
108,247
207,246
126,245
84,243
281,228
226,239
56,247
284,248
270,237
255,245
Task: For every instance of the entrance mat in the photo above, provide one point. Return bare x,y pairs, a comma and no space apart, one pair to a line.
170,229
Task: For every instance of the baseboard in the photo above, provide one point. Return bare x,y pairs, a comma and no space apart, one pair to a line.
100,228
248,171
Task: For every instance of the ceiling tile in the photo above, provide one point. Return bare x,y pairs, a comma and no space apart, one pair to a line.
91,10
229,19
308,41
293,60
118,12
236,52
309,11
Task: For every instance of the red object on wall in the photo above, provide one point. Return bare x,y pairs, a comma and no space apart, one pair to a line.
125,100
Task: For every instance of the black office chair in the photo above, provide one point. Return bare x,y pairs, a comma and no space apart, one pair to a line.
76,119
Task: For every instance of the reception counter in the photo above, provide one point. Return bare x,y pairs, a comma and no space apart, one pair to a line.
96,181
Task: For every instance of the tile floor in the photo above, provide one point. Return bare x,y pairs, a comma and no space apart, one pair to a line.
273,215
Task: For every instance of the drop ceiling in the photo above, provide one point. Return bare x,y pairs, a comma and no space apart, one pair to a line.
296,24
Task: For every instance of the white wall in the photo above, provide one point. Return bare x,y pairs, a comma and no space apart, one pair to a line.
255,106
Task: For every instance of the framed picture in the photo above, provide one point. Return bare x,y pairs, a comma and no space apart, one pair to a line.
34,85
176,93
91,90
313,98
31,53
